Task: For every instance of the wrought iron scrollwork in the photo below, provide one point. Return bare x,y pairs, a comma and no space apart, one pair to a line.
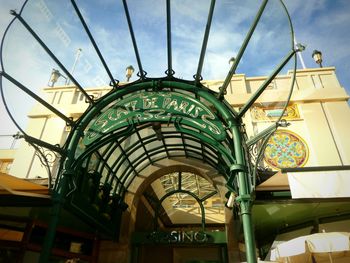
256,154
48,159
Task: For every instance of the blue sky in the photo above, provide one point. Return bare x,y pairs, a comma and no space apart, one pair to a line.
318,24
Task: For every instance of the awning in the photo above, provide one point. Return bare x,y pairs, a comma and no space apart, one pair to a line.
322,247
277,182
17,186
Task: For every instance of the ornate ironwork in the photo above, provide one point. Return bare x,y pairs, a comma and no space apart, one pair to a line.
46,157
228,150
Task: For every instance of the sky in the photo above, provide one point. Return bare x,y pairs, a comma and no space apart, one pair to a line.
318,24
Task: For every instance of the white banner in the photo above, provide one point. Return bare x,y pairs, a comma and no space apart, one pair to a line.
327,184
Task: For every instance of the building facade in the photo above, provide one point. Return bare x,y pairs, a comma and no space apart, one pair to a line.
174,194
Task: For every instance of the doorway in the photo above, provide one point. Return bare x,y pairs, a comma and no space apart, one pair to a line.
180,254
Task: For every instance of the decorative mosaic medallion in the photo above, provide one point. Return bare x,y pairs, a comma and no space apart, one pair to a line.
286,149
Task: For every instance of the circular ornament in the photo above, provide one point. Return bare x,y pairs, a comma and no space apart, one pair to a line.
286,149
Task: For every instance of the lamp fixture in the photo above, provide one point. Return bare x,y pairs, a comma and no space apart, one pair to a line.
129,71
55,74
317,56
231,200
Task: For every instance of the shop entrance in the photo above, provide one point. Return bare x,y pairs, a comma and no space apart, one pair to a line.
192,247
181,254
180,218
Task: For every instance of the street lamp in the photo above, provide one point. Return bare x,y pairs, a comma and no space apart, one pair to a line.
129,71
55,74
231,61
317,56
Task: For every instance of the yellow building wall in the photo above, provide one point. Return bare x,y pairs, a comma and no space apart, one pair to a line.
322,103
24,157
319,136
338,116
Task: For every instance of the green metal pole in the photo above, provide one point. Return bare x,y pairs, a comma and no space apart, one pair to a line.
50,233
244,198
59,195
198,75
58,200
245,202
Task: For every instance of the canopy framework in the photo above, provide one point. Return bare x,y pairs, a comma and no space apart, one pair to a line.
104,168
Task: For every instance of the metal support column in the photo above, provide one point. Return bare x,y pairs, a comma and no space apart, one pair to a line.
58,201
244,198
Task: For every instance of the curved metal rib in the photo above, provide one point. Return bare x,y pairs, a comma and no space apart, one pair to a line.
232,71
49,52
94,43
198,76
38,99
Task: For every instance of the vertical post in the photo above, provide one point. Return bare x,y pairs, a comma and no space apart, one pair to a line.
169,72
50,232
58,200
135,253
244,198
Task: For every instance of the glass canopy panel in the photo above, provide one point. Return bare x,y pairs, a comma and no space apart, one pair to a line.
170,182
183,208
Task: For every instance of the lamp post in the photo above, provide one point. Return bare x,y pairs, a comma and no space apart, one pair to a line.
77,55
129,71
317,56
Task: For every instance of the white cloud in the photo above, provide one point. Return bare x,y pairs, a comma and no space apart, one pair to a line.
305,10
323,25
190,9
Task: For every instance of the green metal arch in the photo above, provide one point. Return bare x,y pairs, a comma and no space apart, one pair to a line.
227,114
238,163
150,85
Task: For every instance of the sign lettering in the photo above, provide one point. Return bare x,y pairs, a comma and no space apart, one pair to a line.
179,237
160,106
